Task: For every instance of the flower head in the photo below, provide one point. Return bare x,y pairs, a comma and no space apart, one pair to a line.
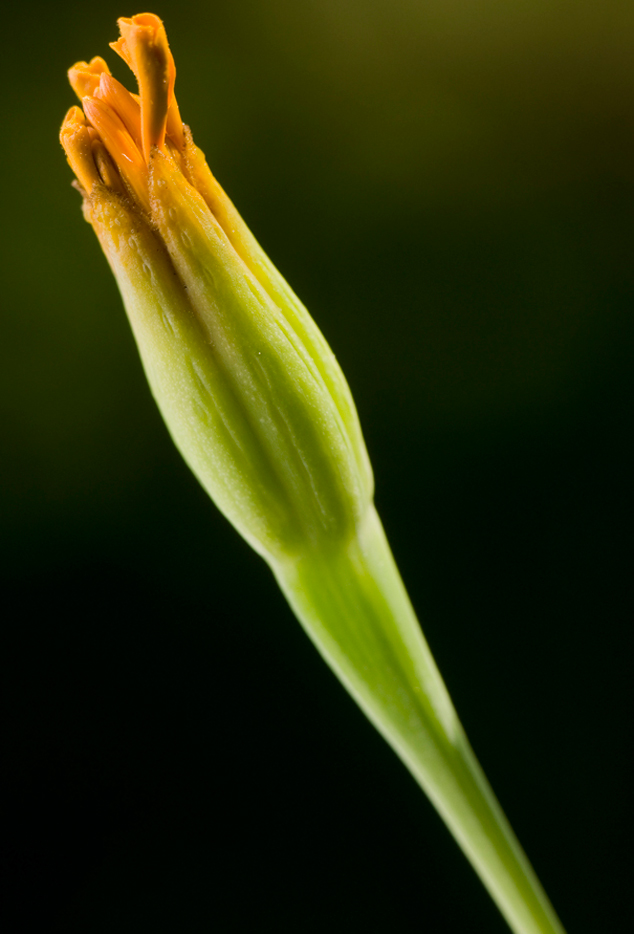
248,387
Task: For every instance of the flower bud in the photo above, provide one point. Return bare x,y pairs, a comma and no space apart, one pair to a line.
247,385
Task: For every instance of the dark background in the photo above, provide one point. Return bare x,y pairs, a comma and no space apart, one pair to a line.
449,187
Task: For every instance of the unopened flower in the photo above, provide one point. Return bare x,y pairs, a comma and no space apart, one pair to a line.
248,387
258,406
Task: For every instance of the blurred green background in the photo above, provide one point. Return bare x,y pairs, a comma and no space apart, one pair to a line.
449,187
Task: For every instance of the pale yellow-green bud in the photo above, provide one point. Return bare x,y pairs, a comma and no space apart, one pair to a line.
248,387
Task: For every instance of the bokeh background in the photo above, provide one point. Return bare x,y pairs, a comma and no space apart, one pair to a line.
449,187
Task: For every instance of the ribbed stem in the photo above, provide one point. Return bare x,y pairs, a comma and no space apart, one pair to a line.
354,607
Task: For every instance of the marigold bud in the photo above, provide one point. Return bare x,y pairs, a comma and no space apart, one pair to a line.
258,406
250,391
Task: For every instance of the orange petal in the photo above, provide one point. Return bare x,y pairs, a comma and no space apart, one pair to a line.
127,108
121,49
175,125
120,146
84,76
76,139
145,44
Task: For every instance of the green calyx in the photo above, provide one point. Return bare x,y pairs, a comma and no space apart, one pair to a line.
250,391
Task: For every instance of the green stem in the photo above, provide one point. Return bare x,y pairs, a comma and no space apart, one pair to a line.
354,607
